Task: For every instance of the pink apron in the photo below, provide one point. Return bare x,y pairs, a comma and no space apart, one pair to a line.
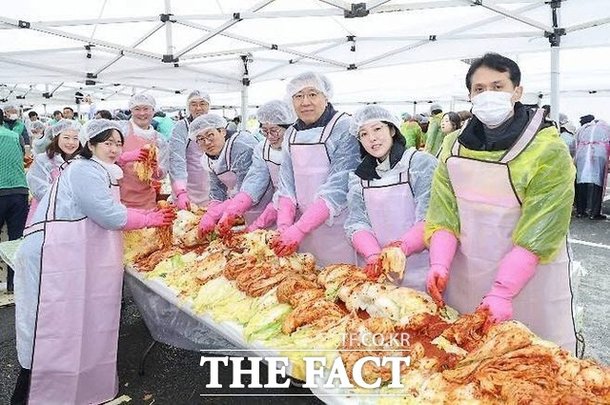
77,322
136,193
197,183
34,203
229,179
311,166
489,211
391,210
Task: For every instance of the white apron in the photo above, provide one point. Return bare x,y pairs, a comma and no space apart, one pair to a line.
311,166
489,210
391,209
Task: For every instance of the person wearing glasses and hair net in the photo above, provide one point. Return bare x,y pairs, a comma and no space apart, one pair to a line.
140,137
388,195
262,178
500,209
64,146
189,179
69,278
319,153
227,158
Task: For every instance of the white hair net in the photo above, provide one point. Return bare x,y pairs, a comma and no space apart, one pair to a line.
563,119
97,126
198,94
371,113
275,112
309,79
63,125
142,99
405,116
205,122
435,107
11,107
37,126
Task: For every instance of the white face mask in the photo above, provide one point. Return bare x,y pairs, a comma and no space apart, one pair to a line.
492,107
13,117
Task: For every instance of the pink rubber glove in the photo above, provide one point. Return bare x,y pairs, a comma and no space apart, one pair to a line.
443,245
138,219
132,156
290,238
413,240
182,198
210,218
264,220
366,245
286,212
515,270
235,207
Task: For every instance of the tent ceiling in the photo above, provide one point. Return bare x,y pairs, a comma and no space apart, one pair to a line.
117,48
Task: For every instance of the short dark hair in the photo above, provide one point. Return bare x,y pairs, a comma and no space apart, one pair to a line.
99,138
454,118
498,63
104,114
32,114
57,112
69,108
53,149
1,116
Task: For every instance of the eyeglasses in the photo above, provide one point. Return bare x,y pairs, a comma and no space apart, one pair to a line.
272,131
376,130
312,95
207,138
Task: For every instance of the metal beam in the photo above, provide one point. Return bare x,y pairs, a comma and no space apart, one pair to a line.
337,3
588,24
228,24
510,14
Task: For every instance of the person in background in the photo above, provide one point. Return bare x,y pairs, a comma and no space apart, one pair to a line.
262,179
163,124
566,131
68,113
64,146
423,121
57,115
70,276
13,123
318,155
410,129
190,181
503,189
434,135
388,195
449,123
13,188
591,159
464,116
227,158
140,138
105,114
37,137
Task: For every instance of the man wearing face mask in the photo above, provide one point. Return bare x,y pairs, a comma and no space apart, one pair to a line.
503,189
13,123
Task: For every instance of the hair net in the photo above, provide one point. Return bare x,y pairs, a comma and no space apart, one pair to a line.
422,118
405,116
435,107
563,119
371,113
37,126
10,107
205,122
63,125
97,126
275,112
310,79
142,99
198,94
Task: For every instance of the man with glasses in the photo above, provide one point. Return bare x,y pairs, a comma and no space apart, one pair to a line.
274,117
189,179
319,153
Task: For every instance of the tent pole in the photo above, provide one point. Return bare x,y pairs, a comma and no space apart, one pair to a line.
244,107
555,40
168,28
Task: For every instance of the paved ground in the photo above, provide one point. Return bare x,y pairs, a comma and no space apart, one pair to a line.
173,376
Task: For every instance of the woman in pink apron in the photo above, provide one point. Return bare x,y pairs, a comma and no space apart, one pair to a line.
189,179
139,137
227,158
388,195
503,190
319,153
64,146
68,280
262,178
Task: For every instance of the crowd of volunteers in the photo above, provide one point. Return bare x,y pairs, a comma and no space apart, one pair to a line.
479,201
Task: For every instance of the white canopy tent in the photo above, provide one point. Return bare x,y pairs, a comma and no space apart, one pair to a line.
393,52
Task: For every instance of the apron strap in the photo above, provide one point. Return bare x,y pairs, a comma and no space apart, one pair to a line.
188,140
267,151
455,148
328,128
228,150
526,137
50,216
